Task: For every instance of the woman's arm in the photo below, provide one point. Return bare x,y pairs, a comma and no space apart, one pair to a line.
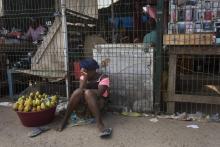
101,90
103,87
27,35
83,80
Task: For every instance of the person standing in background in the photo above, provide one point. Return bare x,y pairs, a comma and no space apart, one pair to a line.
35,31
150,39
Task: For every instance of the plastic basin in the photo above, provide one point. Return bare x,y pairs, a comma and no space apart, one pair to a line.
35,119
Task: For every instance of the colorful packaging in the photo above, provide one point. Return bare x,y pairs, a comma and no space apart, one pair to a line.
189,27
199,14
181,27
218,32
207,26
188,13
208,15
198,27
215,4
207,5
172,28
181,15
218,13
173,13
216,26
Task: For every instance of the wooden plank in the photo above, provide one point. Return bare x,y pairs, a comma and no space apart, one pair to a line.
187,50
172,76
171,83
170,107
8,48
53,74
48,40
195,99
195,50
199,77
188,39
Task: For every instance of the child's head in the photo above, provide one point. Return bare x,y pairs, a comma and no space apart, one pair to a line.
89,66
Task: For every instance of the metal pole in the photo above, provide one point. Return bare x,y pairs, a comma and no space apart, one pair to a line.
158,56
112,17
65,45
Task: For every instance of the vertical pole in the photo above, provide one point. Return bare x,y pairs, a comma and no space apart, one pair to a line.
112,17
65,45
158,56
1,8
10,83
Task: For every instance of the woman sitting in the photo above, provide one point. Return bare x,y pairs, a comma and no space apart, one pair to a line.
94,91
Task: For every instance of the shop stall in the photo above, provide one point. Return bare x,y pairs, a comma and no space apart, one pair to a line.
192,42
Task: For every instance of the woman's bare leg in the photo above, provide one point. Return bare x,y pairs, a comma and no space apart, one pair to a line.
91,99
73,102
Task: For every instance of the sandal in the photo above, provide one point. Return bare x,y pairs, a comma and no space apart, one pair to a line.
106,133
37,131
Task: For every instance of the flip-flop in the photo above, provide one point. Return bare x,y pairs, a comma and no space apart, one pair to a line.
106,133
45,128
37,131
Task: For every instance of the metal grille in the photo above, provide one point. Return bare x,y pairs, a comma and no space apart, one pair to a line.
191,46
115,40
181,76
112,32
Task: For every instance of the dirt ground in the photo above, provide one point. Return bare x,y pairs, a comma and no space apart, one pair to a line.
128,132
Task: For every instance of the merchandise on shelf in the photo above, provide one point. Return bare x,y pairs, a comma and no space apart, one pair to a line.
193,16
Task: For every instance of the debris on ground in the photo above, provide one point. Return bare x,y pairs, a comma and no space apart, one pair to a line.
182,116
133,114
166,116
198,116
78,121
214,118
146,115
61,107
106,133
6,104
154,120
193,126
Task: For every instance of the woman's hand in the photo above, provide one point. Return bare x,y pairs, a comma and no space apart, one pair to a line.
83,79
84,75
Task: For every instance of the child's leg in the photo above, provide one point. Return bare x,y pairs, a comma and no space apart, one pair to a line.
91,99
73,102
